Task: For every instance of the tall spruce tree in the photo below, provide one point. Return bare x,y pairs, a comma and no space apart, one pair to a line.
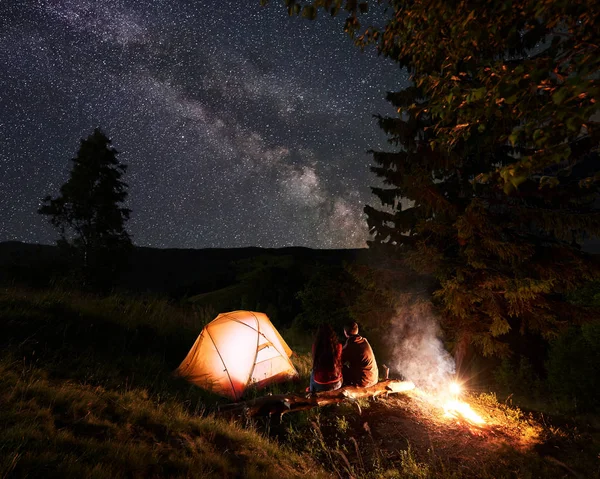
89,214
494,183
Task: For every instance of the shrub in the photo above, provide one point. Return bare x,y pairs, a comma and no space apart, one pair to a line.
518,377
573,365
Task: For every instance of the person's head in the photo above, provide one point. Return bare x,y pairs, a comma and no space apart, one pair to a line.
351,329
326,336
326,344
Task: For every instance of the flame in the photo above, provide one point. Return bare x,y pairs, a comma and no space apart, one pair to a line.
455,388
448,401
455,408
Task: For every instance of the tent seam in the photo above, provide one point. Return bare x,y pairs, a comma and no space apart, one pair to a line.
257,341
225,365
248,326
283,354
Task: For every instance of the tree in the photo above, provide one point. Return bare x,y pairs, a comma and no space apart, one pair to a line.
88,212
326,297
494,184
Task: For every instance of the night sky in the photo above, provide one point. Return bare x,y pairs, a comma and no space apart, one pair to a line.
240,125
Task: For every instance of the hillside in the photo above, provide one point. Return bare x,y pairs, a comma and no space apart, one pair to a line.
87,391
171,272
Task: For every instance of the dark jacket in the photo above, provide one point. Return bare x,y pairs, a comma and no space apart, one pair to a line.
360,367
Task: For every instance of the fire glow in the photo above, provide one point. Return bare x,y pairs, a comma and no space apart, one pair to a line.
454,408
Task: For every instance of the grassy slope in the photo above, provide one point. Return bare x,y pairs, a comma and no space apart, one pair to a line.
403,436
86,391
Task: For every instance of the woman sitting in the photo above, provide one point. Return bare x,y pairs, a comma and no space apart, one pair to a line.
326,373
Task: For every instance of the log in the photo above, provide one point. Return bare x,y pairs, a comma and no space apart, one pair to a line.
280,404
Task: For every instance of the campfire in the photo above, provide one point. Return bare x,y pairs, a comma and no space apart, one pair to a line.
455,408
452,407
448,400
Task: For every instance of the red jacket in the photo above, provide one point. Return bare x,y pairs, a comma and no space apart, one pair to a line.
328,375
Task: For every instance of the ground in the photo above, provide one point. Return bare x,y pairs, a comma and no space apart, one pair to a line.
405,435
86,390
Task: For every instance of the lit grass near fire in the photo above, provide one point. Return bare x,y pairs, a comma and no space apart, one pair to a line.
447,403
409,435
480,415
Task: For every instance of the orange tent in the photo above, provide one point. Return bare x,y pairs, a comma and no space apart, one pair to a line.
236,350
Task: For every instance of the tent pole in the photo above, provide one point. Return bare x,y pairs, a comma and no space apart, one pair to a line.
257,341
224,365
282,354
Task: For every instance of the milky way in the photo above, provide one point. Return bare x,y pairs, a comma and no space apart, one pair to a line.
240,125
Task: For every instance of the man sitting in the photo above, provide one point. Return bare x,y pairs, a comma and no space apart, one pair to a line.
360,367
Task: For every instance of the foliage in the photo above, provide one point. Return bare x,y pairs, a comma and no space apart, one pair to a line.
588,295
270,283
370,294
518,377
494,182
88,212
266,283
326,298
385,286
573,364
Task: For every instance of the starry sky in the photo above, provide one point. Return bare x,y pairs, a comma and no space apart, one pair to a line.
240,126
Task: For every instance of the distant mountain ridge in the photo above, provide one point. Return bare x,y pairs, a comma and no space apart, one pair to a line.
173,271
179,272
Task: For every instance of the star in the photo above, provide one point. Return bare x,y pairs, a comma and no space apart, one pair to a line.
240,126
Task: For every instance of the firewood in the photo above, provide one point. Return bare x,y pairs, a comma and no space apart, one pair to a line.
280,404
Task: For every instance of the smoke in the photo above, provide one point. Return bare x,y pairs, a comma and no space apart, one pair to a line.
416,346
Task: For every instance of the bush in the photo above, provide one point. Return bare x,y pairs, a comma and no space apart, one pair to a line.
518,377
573,365
325,299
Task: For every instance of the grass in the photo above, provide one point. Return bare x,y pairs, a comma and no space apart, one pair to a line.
351,446
69,429
86,391
404,436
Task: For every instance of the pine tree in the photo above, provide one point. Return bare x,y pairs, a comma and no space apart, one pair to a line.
88,212
495,179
